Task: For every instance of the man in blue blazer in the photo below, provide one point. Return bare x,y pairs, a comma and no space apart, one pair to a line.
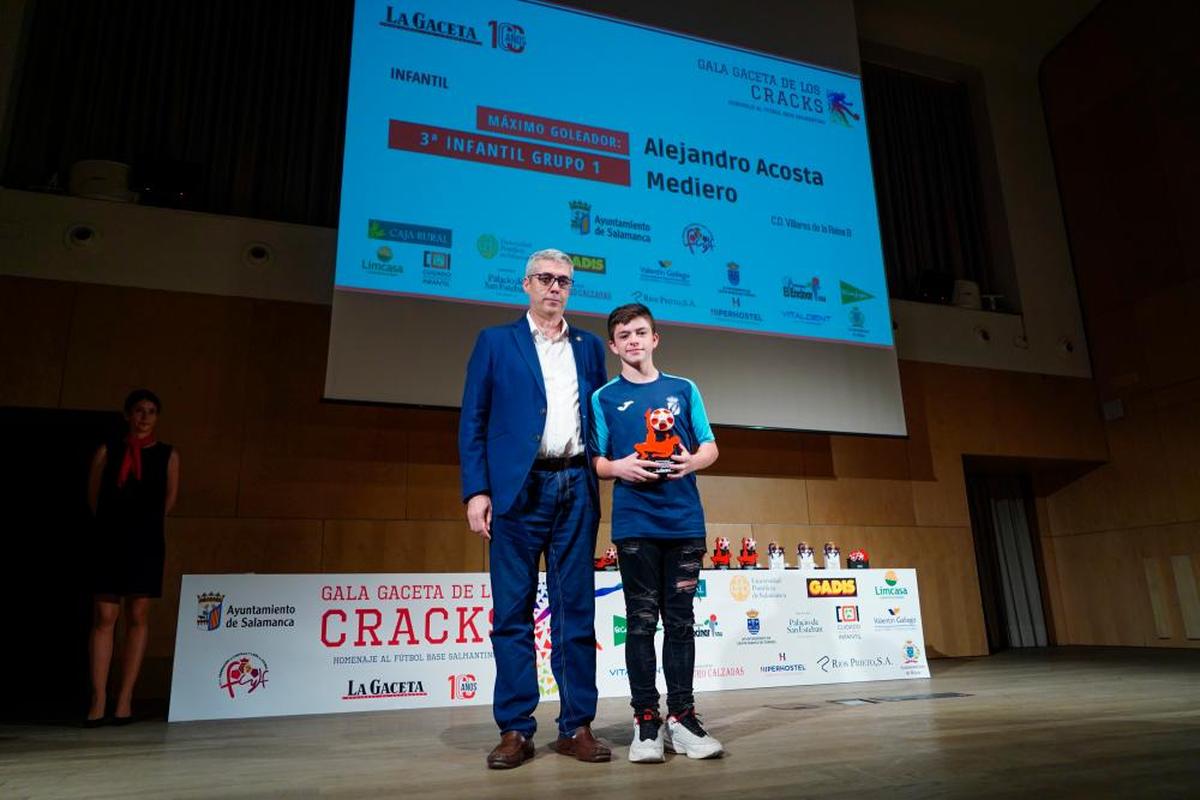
530,490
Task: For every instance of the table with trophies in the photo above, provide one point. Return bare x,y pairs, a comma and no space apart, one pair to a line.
269,645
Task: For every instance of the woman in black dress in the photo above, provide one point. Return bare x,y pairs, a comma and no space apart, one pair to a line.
132,486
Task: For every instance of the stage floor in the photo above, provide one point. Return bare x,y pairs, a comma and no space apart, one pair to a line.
1072,721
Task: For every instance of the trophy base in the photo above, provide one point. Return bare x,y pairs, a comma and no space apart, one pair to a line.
662,467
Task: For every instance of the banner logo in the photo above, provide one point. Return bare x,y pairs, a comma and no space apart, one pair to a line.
407,233
840,109
208,610
244,673
581,217
832,587
853,294
696,237
463,687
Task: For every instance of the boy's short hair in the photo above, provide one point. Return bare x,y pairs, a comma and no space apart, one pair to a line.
628,313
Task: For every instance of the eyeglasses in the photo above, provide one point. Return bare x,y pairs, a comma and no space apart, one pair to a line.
547,278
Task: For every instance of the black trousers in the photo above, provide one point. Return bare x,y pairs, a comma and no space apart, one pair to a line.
659,578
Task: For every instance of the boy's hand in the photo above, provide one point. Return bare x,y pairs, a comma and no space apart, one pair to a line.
633,469
684,465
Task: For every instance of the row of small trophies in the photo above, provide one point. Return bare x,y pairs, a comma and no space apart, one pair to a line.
722,558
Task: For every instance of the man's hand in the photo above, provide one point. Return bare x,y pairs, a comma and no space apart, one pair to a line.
632,469
479,515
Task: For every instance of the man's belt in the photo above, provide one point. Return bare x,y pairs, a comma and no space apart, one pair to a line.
559,464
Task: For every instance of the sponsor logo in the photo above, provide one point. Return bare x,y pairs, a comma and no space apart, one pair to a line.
810,291
708,629
892,587
895,619
783,665
701,588
435,259
847,614
264,616
662,299
379,689
242,674
912,653
594,264
841,110
739,588
698,239
384,253
419,22
753,623
834,663
754,633
581,217
407,233
507,36
505,284
853,294
463,687
624,405
487,245
208,610
805,625
832,587
734,273
620,630
858,320
663,273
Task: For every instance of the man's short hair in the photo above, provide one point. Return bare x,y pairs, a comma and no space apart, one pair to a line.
137,396
628,313
549,254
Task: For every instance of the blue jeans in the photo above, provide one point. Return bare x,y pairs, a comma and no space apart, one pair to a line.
556,515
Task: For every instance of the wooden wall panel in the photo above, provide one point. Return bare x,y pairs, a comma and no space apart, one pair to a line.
1179,423
401,546
35,323
857,501
190,349
742,500
1132,491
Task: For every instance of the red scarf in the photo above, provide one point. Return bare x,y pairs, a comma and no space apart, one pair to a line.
132,462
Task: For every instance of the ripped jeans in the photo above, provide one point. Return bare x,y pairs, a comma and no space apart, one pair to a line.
659,578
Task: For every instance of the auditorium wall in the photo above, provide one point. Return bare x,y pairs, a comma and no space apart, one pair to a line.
1123,111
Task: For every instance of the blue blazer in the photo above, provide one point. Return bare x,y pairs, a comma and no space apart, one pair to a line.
504,409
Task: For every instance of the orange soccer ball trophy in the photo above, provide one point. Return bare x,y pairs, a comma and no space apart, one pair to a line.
748,558
658,423
720,555
608,561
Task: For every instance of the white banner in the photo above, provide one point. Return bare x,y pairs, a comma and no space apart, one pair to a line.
271,645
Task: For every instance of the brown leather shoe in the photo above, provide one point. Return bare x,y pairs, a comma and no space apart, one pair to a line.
513,751
584,746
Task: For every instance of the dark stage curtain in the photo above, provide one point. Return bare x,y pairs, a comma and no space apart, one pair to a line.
244,101
927,180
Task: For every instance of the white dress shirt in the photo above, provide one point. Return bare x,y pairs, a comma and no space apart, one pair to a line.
562,434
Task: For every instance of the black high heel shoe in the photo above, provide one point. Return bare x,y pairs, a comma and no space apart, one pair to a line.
95,723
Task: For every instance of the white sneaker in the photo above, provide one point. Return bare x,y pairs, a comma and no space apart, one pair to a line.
689,737
647,744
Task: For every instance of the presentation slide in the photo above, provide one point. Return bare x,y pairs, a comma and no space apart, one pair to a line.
724,188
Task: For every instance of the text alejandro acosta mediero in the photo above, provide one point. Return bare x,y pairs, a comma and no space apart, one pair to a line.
733,162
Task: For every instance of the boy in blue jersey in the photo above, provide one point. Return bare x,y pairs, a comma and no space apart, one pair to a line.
650,434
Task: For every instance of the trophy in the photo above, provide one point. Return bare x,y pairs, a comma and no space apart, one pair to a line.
720,554
748,558
833,556
608,561
805,560
858,560
775,556
660,444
